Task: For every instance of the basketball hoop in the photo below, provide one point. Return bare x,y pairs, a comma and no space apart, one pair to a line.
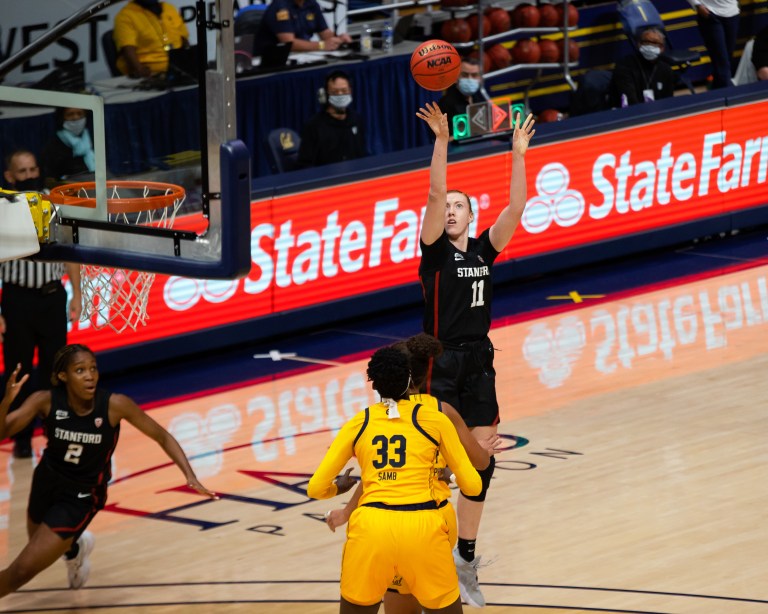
117,297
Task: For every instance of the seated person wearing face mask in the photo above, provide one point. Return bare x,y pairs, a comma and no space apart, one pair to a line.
22,173
337,133
70,152
465,91
642,77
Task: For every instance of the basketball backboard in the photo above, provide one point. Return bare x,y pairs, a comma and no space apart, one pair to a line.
175,127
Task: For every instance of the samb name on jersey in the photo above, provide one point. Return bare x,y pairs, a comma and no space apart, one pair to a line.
76,436
473,271
387,476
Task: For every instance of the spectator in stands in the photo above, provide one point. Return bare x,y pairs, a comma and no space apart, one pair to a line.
641,77
70,152
295,22
719,24
22,172
145,30
466,90
337,133
760,54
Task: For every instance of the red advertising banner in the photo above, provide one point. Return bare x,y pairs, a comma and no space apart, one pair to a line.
355,238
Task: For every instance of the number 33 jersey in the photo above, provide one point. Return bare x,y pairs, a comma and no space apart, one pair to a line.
80,447
457,288
397,456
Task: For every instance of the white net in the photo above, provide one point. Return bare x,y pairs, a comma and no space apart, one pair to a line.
117,297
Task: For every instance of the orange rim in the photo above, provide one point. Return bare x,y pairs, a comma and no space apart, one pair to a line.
69,194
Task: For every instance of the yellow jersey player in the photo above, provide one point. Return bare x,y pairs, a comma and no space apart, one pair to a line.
397,528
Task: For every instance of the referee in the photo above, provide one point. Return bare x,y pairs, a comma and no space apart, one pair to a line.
33,315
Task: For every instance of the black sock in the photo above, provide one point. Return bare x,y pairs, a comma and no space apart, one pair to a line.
467,549
72,552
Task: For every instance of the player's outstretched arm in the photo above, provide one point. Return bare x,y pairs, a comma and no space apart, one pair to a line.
37,403
505,225
126,409
434,218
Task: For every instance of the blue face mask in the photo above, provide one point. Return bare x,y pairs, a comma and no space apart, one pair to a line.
75,126
340,101
468,86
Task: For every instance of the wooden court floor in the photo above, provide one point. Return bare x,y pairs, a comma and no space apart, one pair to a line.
635,479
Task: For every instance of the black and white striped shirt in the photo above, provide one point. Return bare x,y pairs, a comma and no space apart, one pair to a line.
30,274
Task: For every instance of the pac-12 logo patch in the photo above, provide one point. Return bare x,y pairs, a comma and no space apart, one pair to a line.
97,422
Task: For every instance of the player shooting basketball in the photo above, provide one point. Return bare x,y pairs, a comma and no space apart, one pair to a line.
455,273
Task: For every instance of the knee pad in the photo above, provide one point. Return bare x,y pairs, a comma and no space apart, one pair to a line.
485,475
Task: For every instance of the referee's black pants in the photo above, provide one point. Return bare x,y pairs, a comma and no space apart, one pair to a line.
34,319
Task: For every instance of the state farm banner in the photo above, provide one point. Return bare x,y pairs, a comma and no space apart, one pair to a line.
347,240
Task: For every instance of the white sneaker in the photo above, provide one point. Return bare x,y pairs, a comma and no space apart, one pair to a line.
469,587
79,567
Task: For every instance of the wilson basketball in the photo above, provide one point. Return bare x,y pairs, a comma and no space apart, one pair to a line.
435,65
526,51
550,54
456,31
500,56
573,50
548,16
525,16
499,19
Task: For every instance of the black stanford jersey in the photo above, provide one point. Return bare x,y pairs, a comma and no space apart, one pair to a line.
80,447
457,288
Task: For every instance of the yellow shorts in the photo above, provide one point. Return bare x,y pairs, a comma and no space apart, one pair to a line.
449,515
382,544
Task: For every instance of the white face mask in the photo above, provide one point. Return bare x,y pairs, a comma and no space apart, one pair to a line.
468,86
75,126
650,52
342,101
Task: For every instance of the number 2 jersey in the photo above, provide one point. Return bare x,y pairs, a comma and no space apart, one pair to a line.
397,456
458,288
80,447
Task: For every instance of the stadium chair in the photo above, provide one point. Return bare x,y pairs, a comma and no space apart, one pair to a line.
635,16
248,19
283,148
110,52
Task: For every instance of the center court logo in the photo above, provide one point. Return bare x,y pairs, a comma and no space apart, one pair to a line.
553,201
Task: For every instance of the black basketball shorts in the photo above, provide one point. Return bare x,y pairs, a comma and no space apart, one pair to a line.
66,507
463,375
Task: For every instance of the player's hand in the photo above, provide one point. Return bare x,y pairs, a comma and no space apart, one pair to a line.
522,134
196,485
13,385
336,518
437,120
446,475
491,444
344,482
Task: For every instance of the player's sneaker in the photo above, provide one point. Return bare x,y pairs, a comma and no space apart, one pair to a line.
469,587
79,567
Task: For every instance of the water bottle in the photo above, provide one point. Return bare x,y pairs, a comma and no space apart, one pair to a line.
387,38
366,39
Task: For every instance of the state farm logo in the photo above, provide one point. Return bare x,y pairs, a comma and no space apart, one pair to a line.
553,202
553,352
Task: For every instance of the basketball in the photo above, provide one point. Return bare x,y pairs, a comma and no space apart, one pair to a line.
472,21
500,56
487,61
573,14
549,115
548,16
456,31
525,16
573,50
435,65
550,54
499,19
526,51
